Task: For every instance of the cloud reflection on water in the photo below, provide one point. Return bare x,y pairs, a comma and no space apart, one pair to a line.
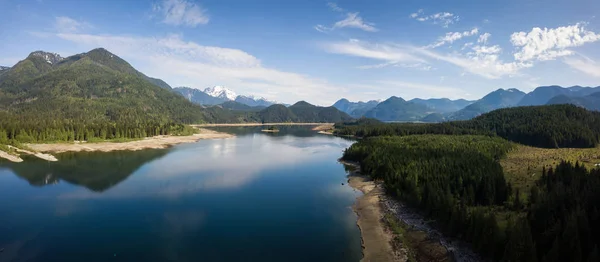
217,164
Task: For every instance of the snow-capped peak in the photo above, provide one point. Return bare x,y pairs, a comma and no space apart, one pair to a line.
220,92
51,58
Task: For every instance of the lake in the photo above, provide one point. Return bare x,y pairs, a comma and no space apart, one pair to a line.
256,197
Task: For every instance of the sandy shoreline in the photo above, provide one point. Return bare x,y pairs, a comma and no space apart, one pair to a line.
263,124
376,240
155,142
9,157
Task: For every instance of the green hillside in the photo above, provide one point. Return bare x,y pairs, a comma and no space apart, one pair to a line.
548,126
86,96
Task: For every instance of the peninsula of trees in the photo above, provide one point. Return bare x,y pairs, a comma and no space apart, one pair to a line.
452,173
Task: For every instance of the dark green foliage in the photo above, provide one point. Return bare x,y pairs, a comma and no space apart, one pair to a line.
455,179
458,181
564,218
542,126
90,96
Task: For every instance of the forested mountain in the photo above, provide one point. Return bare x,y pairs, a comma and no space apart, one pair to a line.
443,105
589,102
355,109
548,126
543,94
498,99
433,118
86,96
198,97
233,105
253,101
311,113
398,109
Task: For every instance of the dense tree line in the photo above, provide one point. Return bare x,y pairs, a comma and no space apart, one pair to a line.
455,179
458,181
563,214
541,126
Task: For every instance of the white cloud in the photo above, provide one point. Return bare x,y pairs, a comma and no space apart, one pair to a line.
418,66
486,63
451,37
335,7
585,65
482,60
483,38
352,20
484,50
187,63
65,24
181,12
321,28
383,52
355,21
548,44
443,18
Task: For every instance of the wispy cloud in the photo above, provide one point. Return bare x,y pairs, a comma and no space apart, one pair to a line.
584,64
483,38
485,63
383,52
352,20
548,44
181,12
444,19
451,37
418,66
335,7
65,24
181,62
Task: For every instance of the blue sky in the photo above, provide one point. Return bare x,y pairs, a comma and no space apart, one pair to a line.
320,51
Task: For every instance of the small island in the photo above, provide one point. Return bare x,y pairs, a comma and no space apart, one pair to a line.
271,129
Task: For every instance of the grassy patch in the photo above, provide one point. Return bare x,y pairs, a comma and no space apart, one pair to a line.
523,164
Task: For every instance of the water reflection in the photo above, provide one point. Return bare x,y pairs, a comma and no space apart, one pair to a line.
97,171
264,197
231,163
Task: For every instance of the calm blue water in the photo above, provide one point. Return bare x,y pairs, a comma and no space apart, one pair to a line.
256,197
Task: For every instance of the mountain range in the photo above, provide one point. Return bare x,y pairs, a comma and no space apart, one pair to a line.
396,109
100,87
99,95
219,94
93,87
355,109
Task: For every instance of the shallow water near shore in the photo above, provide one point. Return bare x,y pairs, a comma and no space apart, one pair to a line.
255,197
